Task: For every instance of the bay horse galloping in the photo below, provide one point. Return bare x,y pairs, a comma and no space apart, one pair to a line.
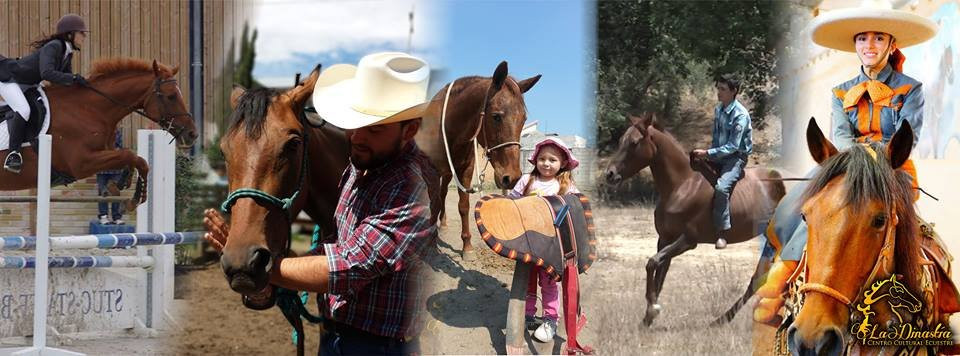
862,229
487,110
83,121
683,213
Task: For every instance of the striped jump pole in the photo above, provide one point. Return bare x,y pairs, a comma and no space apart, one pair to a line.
103,241
148,289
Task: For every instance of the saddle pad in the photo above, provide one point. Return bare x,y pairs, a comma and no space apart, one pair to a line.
32,123
523,229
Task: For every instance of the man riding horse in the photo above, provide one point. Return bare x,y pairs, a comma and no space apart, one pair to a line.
50,61
372,273
871,107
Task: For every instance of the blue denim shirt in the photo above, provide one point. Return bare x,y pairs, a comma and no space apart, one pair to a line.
853,116
732,132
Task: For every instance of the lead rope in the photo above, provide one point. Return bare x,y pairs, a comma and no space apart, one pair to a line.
446,145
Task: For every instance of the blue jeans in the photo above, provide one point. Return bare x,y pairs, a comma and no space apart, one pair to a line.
731,171
336,344
102,180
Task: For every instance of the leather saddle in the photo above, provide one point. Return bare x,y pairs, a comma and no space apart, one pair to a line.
543,231
553,232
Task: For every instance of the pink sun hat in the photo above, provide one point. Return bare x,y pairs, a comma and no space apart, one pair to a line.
572,161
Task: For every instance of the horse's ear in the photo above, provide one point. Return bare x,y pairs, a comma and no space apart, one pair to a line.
820,147
175,70
528,83
235,96
156,68
898,151
634,120
300,93
499,76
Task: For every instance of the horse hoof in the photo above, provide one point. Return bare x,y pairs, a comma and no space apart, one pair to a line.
469,255
652,313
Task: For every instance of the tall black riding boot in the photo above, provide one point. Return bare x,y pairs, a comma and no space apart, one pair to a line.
17,126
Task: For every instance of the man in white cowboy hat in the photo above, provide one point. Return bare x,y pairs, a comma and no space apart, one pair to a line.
729,150
868,108
372,274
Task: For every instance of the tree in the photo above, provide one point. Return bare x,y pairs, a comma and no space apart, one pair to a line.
649,52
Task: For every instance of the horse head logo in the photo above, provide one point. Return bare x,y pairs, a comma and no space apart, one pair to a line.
897,297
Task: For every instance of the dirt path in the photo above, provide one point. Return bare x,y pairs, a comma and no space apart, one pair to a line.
467,309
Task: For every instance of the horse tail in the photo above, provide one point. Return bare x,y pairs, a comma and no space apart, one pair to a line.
759,276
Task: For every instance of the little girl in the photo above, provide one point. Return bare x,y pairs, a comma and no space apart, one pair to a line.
552,163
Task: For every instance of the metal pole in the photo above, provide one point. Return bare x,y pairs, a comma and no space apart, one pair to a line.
196,69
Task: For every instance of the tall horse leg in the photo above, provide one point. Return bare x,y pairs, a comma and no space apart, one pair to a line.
469,254
466,178
657,267
442,204
758,278
113,160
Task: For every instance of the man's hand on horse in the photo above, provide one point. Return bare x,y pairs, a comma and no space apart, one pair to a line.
217,228
700,153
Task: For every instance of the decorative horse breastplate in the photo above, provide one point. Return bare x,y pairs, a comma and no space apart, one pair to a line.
543,231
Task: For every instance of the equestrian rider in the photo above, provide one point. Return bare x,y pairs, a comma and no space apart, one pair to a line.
373,272
868,108
732,144
50,61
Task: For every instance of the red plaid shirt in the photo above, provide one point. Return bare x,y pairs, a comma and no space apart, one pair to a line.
383,233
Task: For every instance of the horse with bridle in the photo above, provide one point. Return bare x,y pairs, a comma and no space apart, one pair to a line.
83,122
683,212
489,111
863,233
290,161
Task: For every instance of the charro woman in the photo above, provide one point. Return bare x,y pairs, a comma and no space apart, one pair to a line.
50,61
867,108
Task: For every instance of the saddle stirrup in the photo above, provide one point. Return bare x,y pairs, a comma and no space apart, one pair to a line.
15,126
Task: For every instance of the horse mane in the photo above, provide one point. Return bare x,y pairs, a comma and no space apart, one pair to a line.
251,111
105,67
866,179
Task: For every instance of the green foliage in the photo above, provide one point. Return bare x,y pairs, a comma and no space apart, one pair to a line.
650,52
243,76
189,186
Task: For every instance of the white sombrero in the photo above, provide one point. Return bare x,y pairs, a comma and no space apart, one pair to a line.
383,88
837,28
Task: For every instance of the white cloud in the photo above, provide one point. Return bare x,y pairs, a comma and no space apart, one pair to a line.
287,27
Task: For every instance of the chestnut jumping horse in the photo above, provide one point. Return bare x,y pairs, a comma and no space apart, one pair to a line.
683,212
489,111
83,121
862,229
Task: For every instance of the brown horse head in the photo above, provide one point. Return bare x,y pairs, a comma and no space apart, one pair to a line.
163,102
861,227
636,150
504,113
265,151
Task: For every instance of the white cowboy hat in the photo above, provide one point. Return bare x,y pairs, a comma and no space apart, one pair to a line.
383,88
837,28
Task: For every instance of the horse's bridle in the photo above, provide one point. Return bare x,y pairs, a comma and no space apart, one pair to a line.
166,119
883,264
483,116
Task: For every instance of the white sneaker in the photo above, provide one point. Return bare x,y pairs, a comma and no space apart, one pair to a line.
546,331
104,220
118,221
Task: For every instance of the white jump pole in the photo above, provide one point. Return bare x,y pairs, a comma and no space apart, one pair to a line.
41,273
158,214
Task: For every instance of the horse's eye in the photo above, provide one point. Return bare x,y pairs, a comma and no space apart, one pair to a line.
803,216
292,145
171,97
878,222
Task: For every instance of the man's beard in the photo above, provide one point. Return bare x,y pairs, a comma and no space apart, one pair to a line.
375,159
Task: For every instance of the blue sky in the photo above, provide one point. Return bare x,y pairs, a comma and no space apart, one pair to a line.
460,38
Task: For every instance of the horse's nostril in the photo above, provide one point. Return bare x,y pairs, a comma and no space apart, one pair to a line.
506,181
260,260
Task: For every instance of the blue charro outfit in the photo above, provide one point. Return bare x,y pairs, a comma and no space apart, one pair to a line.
864,110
